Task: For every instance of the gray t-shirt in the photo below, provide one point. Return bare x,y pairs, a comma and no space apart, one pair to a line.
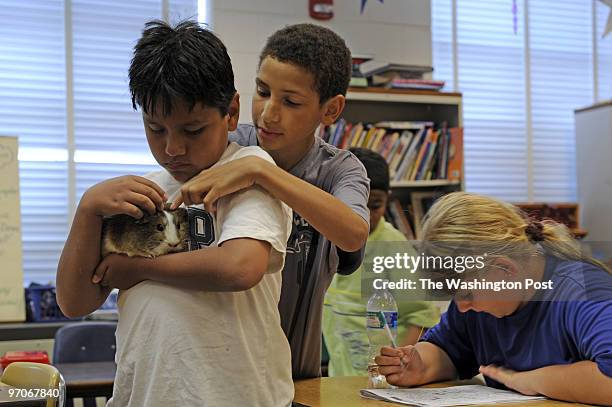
312,260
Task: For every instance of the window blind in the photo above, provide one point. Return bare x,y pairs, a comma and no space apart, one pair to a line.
32,107
96,126
604,52
560,35
520,89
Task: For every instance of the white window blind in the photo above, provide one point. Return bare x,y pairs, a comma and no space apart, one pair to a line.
88,117
108,133
520,89
560,35
604,52
33,107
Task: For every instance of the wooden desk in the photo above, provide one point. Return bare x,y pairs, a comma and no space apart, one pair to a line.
92,379
344,391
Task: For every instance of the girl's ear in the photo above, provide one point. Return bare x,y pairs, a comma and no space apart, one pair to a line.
508,266
233,111
332,109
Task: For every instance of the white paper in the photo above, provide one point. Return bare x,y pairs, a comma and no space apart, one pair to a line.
447,396
12,303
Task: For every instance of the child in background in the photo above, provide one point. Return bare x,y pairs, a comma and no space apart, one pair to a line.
200,327
301,82
344,313
553,342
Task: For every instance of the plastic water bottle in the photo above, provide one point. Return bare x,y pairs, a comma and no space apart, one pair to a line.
381,310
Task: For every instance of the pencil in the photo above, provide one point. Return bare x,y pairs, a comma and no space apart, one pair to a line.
387,330
420,333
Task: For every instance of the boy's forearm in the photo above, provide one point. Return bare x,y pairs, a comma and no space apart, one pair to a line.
76,294
327,214
578,382
237,265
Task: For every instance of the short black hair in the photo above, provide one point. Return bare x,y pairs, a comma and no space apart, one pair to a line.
316,49
186,62
376,167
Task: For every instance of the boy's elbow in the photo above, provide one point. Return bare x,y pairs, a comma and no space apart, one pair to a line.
251,273
357,239
70,313
69,309
74,306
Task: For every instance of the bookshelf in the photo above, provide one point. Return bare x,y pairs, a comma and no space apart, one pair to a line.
379,104
372,105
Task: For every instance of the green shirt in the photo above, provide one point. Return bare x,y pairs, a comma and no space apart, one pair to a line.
344,321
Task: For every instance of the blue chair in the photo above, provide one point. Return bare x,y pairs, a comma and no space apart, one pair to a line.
84,342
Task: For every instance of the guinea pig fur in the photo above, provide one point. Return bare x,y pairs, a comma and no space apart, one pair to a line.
150,236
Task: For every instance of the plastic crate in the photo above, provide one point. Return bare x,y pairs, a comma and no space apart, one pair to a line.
41,304
24,356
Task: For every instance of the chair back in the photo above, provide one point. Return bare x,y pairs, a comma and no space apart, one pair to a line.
30,375
85,342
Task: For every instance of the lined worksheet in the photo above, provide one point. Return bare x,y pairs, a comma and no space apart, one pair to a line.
447,396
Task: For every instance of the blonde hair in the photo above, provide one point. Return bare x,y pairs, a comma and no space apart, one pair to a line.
503,228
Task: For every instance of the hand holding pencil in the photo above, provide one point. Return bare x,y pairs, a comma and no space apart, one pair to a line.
401,366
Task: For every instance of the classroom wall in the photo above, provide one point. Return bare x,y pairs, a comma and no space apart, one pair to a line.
395,30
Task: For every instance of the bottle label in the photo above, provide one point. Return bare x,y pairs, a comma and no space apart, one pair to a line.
376,321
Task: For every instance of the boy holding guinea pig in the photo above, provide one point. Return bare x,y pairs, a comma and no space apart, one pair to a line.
199,327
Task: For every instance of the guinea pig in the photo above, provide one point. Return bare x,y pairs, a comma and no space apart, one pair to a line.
150,236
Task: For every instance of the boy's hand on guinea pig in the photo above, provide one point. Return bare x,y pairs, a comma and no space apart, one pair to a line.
210,185
128,195
118,271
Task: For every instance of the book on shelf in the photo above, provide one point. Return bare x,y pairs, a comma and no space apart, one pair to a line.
442,165
389,144
380,67
421,159
358,80
399,161
425,172
406,160
455,155
357,60
403,125
414,150
423,84
399,219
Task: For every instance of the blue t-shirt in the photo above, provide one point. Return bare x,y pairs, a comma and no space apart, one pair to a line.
571,323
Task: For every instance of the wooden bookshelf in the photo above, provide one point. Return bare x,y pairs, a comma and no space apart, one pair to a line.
425,184
379,104
371,105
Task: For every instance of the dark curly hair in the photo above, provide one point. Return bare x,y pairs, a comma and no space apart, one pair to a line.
187,63
316,49
376,167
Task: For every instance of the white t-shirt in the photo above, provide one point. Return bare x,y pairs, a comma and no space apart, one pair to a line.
178,347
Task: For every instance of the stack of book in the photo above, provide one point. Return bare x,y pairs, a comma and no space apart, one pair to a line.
415,151
393,75
357,78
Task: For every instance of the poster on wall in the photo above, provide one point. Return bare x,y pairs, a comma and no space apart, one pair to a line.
12,307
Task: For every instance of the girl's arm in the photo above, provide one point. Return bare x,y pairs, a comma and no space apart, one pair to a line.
580,382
